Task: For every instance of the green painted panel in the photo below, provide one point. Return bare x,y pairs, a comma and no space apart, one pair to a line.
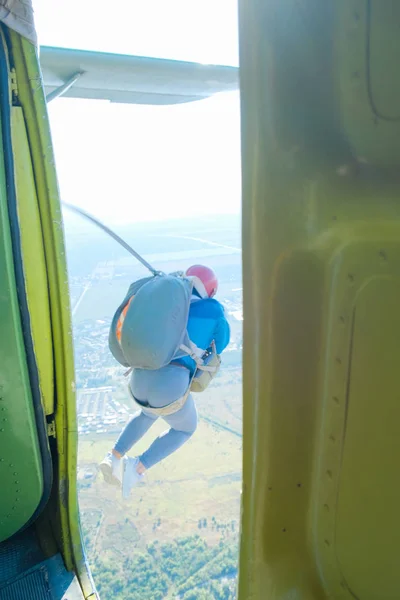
34,260
65,522
20,462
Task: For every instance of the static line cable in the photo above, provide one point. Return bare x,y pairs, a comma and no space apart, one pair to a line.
116,237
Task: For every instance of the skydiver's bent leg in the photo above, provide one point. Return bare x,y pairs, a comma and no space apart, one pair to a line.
111,466
134,431
182,424
157,388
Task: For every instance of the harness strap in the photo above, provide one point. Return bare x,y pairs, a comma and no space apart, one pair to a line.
197,354
193,351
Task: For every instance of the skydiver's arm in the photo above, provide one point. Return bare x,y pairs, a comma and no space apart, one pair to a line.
222,335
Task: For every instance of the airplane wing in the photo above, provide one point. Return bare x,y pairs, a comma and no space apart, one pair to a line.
131,79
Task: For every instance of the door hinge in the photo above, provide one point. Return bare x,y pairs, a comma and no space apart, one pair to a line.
13,83
51,429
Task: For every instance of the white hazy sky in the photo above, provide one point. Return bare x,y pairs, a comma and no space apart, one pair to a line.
129,163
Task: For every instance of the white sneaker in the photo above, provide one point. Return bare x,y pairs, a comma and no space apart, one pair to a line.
130,477
111,468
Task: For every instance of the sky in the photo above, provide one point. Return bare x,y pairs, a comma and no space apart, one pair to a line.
126,163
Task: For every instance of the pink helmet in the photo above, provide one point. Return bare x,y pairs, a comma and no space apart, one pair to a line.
207,277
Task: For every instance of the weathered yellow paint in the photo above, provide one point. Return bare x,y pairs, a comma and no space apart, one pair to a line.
34,261
366,47
321,270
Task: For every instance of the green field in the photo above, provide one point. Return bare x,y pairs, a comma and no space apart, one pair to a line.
200,481
187,509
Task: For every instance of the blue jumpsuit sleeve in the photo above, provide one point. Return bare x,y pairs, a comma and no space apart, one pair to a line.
222,335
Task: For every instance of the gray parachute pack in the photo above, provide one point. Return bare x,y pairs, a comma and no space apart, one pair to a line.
149,328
